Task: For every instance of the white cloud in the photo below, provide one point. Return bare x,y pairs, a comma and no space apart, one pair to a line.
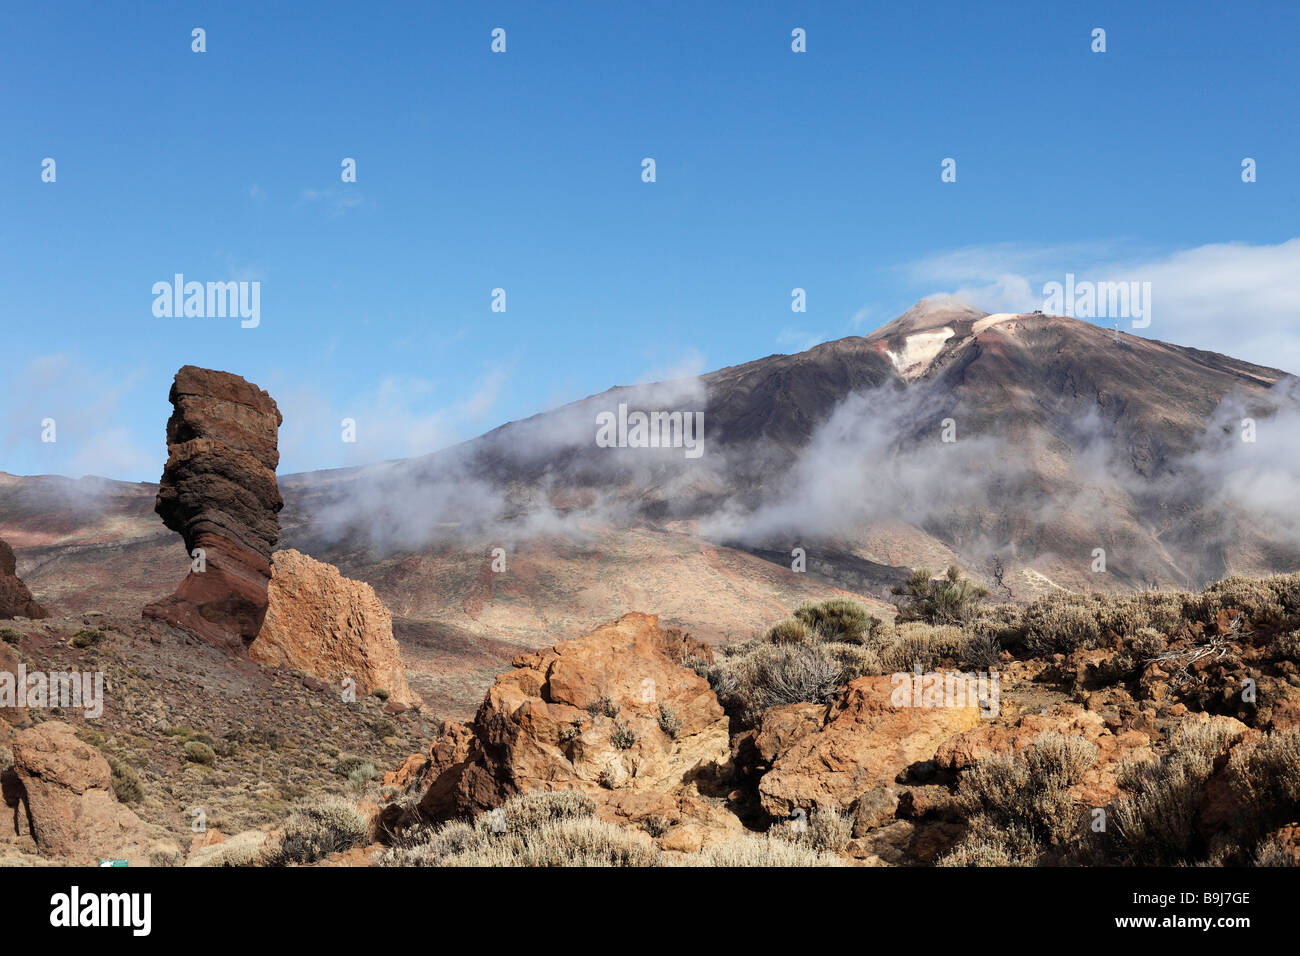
398,418
86,409
799,340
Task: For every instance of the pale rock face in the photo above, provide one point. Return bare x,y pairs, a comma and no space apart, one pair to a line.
329,626
66,790
996,318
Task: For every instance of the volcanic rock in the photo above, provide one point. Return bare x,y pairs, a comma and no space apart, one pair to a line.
329,626
612,715
218,491
15,599
866,741
67,795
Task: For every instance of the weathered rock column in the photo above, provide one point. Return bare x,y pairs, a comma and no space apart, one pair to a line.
218,491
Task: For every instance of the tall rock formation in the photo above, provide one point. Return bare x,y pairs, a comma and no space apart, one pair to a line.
218,491
15,599
332,627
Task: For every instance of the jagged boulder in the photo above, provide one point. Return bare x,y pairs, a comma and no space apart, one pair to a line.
329,626
65,791
218,491
612,714
864,741
15,599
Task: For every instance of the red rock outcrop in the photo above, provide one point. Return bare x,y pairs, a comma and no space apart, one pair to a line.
611,714
329,626
865,741
67,795
15,599
218,491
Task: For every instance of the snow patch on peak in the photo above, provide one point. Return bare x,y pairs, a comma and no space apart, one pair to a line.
918,352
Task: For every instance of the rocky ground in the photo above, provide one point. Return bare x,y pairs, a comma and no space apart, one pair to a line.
1170,717
274,736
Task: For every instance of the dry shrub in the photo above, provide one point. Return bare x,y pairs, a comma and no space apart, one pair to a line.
1021,801
827,831
987,844
1266,775
768,675
1061,623
749,849
315,830
541,829
242,849
1154,822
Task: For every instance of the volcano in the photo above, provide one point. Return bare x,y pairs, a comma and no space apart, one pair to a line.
1036,452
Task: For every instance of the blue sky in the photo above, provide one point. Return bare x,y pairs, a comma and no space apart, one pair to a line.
522,171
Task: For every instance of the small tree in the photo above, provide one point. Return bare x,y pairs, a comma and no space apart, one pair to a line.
951,599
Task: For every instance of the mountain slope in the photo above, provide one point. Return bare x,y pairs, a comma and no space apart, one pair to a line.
1029,443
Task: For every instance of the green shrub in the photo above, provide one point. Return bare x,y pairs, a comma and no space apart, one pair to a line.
200,753
126,783
86,637
346,766
9,635
839,619
380,693
790,631
93,737
951,599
